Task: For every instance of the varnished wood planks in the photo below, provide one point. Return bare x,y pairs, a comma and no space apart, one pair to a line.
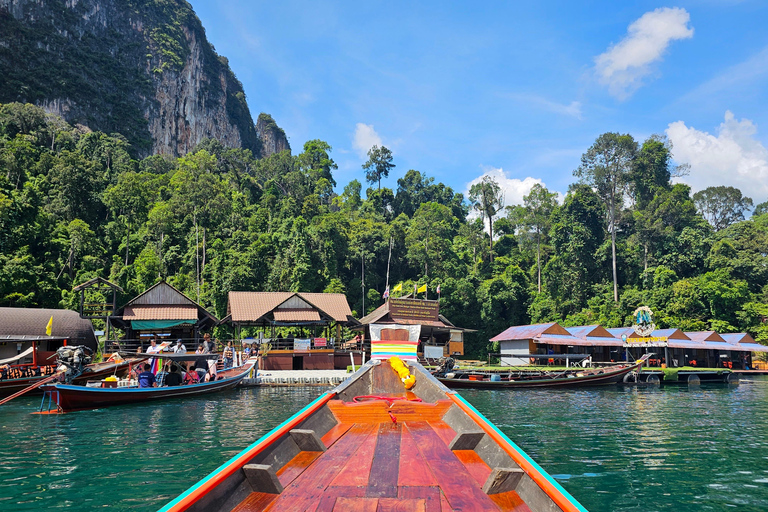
310,485
414,470
357,470
255,502
509,502
430,495
386,462
454,479
296,466
335,433
377,411
474,464
355,505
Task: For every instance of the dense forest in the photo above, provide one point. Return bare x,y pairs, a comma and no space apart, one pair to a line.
74,205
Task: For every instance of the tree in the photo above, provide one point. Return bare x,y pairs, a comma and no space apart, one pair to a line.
605,167
539,205
378,165
722,206
487,198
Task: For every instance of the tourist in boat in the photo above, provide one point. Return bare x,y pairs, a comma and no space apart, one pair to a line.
201,365
174,377
229,355
179,347
246,351
209,347
161,376
190,376
154,348
146,378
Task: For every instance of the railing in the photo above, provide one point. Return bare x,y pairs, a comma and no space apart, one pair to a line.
129,346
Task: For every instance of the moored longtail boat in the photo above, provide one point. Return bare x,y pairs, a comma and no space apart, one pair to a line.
369,444
72,398
575,378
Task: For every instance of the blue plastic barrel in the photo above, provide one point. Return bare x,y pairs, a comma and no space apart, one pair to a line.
495,378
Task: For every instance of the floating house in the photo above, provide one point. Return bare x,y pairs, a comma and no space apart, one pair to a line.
313,320
439,336
22,330
672,347
162,311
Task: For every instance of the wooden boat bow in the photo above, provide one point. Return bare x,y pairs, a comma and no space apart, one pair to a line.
388,450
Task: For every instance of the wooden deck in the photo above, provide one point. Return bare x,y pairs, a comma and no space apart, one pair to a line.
375,464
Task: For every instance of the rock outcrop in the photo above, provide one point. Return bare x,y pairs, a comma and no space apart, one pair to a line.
142,68
273,139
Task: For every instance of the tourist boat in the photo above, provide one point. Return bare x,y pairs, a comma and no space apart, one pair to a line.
369,444
32,375
71,398
548,379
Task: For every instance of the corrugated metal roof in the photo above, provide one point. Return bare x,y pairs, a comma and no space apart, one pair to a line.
528,332
618,332
376,315
737,337
702,336
187,312
753,347
672,334
296,315
590,331
559,339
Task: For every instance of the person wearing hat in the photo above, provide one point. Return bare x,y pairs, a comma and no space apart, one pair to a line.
179,348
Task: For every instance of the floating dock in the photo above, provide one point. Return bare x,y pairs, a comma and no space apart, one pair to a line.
296,378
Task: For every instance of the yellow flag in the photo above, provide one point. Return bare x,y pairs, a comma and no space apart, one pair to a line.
49,326
422,288
398,288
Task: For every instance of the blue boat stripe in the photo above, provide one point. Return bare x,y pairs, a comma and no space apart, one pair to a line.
170,505
525,456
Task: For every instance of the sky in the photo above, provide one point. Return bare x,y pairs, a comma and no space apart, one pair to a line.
518,90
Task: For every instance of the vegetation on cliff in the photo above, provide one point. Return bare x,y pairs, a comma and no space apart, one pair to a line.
74,205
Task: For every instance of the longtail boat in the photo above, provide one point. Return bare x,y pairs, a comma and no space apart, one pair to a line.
369,444
551,379
71,398
29,375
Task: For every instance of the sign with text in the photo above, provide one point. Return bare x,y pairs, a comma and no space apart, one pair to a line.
301,345
413,309
648,341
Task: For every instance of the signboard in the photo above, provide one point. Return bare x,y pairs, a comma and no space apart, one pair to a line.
301,345
413,309
647,341
321,342
431,352
644,325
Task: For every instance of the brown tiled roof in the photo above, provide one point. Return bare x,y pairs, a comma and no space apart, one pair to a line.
296,315
160,313
252,306
334,305
376,315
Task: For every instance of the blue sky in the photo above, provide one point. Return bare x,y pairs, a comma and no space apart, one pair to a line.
460,89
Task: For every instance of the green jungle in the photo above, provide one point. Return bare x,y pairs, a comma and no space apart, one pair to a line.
77,204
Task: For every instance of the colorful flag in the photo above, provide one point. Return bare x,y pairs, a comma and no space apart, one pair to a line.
49,327
386,293
438,289
422,288
398,288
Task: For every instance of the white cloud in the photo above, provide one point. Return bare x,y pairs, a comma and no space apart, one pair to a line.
364,139
624,65
513,188
734,157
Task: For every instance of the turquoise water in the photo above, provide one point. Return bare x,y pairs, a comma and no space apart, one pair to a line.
623,449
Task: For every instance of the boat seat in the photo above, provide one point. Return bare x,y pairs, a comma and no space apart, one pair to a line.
262,478
307,440
466,440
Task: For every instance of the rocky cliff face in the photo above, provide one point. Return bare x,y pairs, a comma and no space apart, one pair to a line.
143,68
273,139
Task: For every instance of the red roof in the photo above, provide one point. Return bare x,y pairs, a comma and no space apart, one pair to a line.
160,312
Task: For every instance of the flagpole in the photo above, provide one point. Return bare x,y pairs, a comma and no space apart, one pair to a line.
391,241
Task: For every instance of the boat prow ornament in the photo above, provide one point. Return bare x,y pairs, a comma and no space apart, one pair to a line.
643,325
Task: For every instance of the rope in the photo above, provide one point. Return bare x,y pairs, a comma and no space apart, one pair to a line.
30,388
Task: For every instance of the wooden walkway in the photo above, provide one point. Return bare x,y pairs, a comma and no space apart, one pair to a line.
375,464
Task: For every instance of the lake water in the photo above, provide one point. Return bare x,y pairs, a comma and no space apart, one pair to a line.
623,449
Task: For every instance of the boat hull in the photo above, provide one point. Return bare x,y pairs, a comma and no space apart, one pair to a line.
369,444
93,372
607,378
73,398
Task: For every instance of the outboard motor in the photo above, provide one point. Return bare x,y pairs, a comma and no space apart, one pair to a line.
73,360
445,367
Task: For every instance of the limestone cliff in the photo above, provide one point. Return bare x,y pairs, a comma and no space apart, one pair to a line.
273,139
143,68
